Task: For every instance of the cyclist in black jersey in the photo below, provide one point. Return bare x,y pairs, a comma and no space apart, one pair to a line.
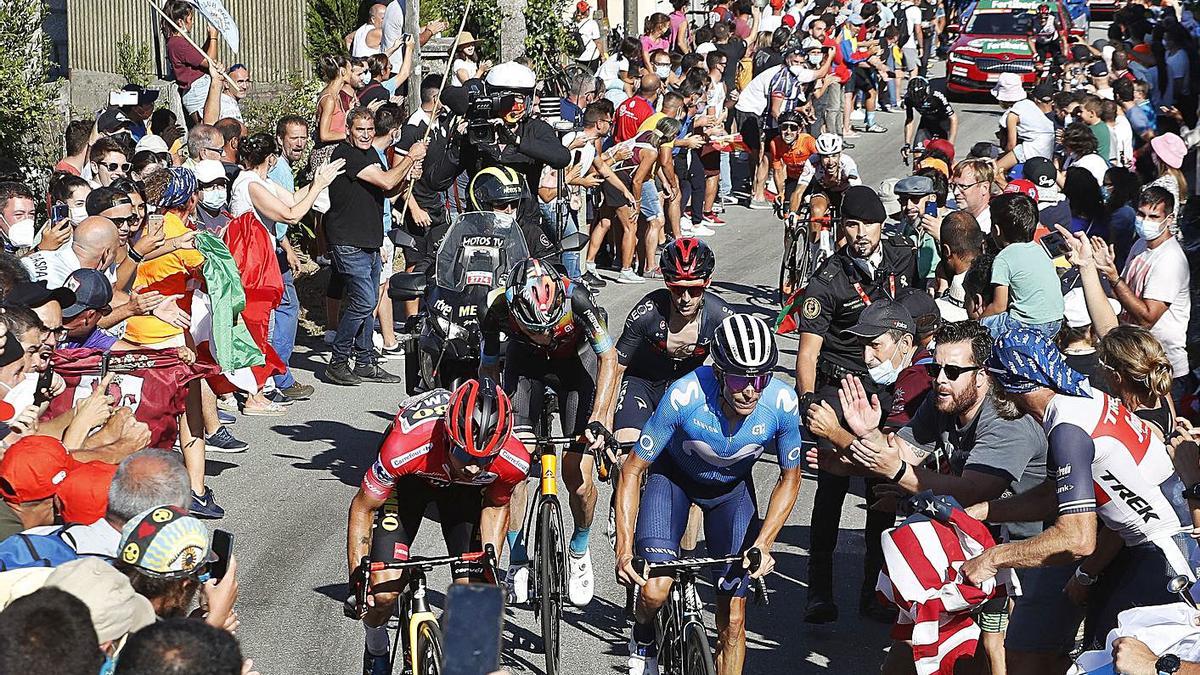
937,118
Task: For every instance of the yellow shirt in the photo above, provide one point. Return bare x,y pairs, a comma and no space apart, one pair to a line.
650,123
148,330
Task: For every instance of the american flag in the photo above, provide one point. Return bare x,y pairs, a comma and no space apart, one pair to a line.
920,576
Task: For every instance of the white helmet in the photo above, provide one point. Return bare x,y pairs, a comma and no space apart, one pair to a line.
511,76
743,345
829,144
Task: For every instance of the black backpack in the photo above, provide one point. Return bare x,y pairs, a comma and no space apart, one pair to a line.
901,23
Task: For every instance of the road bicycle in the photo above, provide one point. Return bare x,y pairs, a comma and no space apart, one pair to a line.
682,639
806,244
418,636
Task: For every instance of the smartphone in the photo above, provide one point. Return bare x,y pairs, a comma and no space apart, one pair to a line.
222,547
45,380
59,212
120,98
154,220
104,360
931,208
473,622
1055,244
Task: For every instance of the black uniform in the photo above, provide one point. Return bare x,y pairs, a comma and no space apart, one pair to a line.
836,295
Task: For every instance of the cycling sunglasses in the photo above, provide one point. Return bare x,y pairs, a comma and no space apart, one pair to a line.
467,458
740,382
789,127
952,372
693,291
128,221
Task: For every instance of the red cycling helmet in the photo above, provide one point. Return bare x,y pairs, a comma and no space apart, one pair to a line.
687,259
479,418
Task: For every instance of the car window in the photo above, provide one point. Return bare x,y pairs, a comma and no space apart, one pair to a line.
1001,23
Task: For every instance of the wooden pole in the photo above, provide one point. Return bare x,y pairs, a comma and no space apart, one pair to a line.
189,39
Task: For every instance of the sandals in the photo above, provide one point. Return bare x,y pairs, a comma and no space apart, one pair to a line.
269,410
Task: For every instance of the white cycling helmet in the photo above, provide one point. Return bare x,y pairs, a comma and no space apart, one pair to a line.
829,144
744,345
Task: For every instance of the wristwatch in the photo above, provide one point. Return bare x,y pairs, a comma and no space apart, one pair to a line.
1192,492
1083,578
1167,664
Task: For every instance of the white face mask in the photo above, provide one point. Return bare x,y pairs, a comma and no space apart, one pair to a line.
1149,229
886,372
21,232
814,58
365,78
662,71
213,199
798,70
77,214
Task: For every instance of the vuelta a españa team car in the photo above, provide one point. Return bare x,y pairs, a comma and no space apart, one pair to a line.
996,37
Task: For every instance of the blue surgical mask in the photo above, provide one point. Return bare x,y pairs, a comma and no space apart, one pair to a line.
109,666
1149,229
1105,192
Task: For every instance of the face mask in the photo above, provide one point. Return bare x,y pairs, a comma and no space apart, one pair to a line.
662,71
797,70
815,59
1149,229
365,78
213,199
77,214
1068,120
20,233
1105,192
885,373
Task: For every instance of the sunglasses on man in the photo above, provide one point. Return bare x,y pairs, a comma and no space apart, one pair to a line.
952,372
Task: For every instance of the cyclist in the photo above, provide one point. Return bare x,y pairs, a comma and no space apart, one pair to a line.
667,335
455,450
690,460
547,320
937,116
1049,39
787,153
827,175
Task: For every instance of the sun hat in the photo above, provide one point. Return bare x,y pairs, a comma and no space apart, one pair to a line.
1009,88
1170,148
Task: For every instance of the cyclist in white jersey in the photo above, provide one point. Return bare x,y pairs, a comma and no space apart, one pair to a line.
826,175
1108,469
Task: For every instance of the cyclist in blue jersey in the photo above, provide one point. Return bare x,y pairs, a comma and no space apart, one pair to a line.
700,447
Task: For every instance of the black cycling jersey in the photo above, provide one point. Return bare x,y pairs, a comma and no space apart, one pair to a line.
642,347
935,111
581,319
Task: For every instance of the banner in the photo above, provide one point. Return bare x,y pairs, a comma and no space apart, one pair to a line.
221,19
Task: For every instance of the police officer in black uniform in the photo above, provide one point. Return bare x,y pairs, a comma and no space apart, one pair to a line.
868,268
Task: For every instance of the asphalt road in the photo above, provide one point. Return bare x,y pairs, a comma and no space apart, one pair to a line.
287,500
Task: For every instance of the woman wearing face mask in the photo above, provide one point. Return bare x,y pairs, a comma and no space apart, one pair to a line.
654,38
275,208
1120,192
467,65
71,191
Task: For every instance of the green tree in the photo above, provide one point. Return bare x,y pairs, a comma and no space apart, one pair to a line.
484,23
326,24
29,109
548,40
133,60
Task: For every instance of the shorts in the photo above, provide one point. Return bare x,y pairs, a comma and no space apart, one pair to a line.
862,80
1024,151
651,207
193,99
527,373
992,616
730,521
750,127
910,58
614,198
397,522
387,254
814,189
1043,618
637,401
789,186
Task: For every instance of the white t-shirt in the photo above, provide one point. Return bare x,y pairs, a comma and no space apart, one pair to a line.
359,48
757,94
468,65
705,48
1121,142
1094,163
716,97
1162,274
393,30
54,267
1034,129
912,16
230,107
99,538
589,32
610,71
240,202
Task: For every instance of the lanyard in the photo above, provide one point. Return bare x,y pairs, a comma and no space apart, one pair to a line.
891,287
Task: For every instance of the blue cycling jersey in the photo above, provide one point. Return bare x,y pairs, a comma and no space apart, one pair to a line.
689,424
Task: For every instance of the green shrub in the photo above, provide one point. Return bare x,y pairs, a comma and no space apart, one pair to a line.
485,23
325,27
29,114
548,41
133,60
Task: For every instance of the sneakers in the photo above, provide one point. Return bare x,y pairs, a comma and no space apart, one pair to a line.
580,586
222,440
594,280
875,129
610,528
227,403
376,664
339,373
629,277
322,260
277,396
701,231
396,351
298,392
643,659
711,219
760,204
226,419
205,506
517,583
728,200
373,373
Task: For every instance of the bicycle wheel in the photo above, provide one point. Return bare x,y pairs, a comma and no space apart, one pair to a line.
697,656
666,631
429,649
551,578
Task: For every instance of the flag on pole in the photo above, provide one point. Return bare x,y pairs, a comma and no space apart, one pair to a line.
221,19
921,577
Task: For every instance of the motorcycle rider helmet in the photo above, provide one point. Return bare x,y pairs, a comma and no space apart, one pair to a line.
918,90
687,260
479,418
496,185
744,346
535,294
829,144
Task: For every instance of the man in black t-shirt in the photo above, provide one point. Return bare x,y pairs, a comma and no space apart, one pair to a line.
354,227
734,49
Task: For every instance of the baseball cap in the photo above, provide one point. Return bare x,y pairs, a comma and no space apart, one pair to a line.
582,7
1040,171
84,492
1044,92
856,19
914,185
116,608
165,542
860,202
1098,69
208,170
936,164
881,316
33,469
1009,88
923,310
92,290
1022,186
112,119
145,96
1075,311
1080,53
152,143
36,294
943,146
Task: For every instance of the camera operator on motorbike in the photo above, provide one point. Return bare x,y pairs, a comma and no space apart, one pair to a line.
548,320
453,449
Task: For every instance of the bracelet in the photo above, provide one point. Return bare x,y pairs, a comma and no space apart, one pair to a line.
135,256
900,474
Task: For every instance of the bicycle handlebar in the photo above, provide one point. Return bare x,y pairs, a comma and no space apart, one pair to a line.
430,563
355,606
673,567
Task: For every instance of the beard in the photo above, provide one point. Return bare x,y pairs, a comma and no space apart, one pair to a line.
957,405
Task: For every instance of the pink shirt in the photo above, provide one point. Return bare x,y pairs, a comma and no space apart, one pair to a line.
678,19
650,44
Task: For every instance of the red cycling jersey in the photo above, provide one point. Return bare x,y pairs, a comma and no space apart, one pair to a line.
417,445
